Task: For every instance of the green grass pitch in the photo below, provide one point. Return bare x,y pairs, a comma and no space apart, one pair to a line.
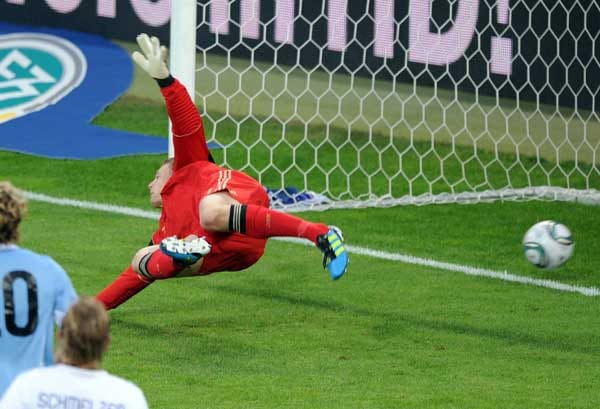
283,335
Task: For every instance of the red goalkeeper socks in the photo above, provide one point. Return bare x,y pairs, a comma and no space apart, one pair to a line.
128,284
262,222
156,265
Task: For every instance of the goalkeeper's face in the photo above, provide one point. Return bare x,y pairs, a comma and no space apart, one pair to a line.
156,185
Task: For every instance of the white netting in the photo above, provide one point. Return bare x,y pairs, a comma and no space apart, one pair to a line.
382,102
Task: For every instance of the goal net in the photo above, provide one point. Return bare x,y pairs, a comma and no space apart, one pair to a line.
383,102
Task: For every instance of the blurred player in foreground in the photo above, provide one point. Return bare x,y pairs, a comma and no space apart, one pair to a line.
213,219
36,294
77,380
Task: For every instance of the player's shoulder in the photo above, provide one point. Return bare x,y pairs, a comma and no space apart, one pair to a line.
14,252
45,260
61,373
124,385
41,266
35,375
21,385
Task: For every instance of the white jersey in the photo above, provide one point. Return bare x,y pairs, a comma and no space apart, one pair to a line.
65,386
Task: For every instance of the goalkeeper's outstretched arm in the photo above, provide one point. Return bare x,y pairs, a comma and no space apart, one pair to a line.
189,139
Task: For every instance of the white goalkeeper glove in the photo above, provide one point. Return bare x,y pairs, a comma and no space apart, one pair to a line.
154,57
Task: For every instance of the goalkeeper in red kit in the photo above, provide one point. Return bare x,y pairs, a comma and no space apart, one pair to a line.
213,218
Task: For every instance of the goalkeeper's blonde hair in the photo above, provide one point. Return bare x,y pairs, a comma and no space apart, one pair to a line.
13,208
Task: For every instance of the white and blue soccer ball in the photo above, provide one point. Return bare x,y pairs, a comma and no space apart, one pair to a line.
548,244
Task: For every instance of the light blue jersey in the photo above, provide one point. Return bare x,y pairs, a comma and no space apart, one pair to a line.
36,293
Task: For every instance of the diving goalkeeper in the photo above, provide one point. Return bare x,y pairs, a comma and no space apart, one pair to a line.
212,218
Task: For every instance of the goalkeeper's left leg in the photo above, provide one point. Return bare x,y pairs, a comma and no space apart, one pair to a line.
154,263
128,284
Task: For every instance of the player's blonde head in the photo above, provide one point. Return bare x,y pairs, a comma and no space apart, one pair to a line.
13,207
84,333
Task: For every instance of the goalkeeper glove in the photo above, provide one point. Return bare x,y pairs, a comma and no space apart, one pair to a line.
154,57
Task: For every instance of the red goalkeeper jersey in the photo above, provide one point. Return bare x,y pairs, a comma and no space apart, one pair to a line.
194,177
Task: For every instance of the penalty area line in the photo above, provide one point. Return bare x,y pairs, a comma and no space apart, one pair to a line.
383,255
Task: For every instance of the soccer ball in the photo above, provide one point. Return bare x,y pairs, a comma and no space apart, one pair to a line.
548,244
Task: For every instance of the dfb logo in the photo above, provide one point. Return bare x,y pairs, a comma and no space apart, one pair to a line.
36,70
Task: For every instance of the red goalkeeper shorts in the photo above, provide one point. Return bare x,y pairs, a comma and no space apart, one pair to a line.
235,251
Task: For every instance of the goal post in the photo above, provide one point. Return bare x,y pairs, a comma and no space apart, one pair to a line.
182,57
382,102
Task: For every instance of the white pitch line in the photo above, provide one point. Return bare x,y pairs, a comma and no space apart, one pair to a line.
128,211
404,258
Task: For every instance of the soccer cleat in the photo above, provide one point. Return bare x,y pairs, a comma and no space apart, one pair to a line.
185,252
335,255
